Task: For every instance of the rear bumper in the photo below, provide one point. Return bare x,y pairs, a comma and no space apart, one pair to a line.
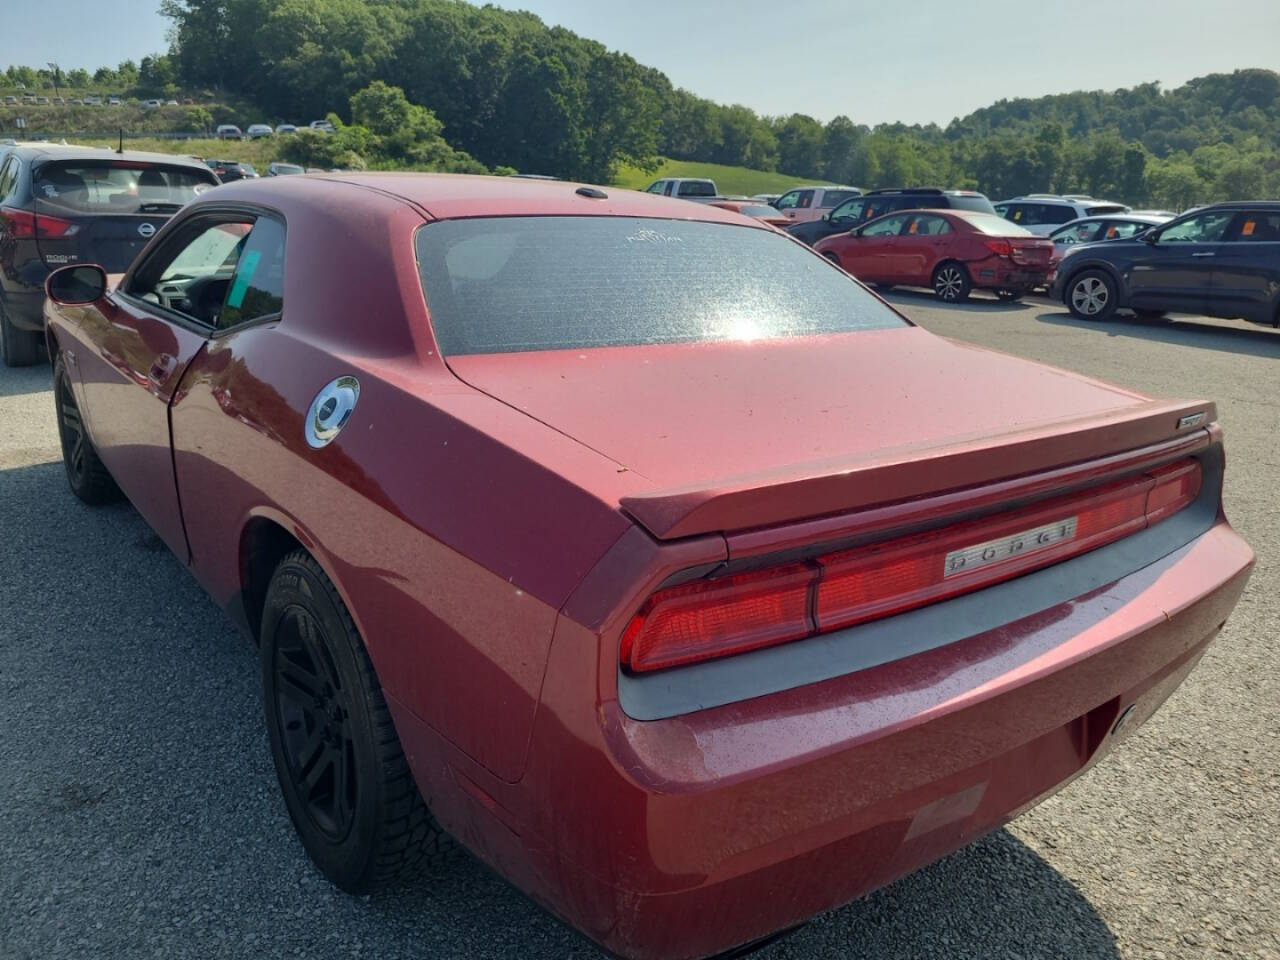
685,837
1001,274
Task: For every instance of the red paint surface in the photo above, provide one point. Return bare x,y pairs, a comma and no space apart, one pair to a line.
485,541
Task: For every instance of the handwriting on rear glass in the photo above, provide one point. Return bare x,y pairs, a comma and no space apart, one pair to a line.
968,559
652,236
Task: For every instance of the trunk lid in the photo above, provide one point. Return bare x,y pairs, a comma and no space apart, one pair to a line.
1031,251
736,435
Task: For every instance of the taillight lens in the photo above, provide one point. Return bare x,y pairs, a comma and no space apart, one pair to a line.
706,618
715,618
1001,248
25,225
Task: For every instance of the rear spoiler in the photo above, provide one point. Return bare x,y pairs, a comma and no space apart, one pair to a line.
835,486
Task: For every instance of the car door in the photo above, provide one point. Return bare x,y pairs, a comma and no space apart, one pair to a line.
1172,268
796,204
871,252
139,342
1246,269
919,247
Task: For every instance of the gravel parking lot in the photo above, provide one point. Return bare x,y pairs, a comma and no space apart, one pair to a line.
139,814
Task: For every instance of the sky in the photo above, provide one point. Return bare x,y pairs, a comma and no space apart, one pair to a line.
872,60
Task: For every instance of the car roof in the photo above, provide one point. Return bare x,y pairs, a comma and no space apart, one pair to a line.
1135,217
445,196
59,151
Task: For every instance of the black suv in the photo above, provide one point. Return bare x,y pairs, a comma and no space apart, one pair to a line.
1221,261
61,205
875,203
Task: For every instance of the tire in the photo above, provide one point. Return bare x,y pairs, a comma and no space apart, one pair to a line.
343,773
21,347
951,283
1010,296
833,258
1091,295
88,478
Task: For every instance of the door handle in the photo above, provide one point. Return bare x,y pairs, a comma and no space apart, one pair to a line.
1206,253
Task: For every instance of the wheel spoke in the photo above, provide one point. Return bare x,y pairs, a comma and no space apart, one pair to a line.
300,678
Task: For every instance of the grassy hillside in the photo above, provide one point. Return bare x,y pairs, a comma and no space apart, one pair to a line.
730,180
256,152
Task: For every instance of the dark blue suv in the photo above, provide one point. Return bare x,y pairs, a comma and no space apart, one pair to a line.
66,204
1220,261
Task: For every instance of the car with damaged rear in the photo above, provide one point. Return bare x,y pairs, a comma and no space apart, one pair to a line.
633,545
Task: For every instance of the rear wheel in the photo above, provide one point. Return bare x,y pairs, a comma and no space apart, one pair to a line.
833,258
88,478
345,779
21,347
1091,295
951,283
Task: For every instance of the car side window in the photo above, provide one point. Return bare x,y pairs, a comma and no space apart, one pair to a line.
849,212
1077,233
788,200
1207,227
656,186
191,274
928,225
666,191
8,176
1122,229
257,286
833,198
1258,227
889,226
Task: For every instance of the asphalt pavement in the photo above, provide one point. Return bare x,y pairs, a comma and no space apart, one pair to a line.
139,814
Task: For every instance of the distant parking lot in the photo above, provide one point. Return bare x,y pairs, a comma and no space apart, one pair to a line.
139,814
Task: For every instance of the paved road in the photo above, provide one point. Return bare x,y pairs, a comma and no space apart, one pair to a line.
139,815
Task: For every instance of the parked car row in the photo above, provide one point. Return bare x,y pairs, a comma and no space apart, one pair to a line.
657,523
259,131
93,101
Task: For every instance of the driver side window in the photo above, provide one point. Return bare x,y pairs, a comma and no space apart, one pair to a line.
1206,228
888,227
218,273
848,213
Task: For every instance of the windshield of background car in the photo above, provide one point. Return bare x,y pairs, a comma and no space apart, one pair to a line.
995,226
93,186
511,284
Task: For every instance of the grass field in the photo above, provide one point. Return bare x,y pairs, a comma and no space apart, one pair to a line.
255,152
729,180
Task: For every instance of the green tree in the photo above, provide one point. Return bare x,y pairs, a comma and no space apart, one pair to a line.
800,146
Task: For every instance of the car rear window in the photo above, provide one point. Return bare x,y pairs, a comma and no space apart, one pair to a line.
697,188
970,201
98,186
511,284
995,226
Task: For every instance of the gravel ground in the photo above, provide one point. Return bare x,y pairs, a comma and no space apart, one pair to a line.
139,814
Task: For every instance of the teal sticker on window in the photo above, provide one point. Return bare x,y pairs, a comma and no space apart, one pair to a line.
244,276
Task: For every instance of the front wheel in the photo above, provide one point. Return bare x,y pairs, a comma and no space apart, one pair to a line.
345,779
951,283
87,476
1092,296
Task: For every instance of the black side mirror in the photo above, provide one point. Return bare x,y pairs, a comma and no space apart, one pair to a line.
77,284
1152,237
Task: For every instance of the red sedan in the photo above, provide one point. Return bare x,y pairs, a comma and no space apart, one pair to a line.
951,251
632,544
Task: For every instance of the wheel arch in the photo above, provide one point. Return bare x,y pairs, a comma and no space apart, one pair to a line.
266,538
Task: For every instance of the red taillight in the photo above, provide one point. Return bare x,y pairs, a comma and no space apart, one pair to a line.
715,618
25,225
707,618
1001,248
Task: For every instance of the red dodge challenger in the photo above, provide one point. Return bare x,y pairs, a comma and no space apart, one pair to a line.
632,544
